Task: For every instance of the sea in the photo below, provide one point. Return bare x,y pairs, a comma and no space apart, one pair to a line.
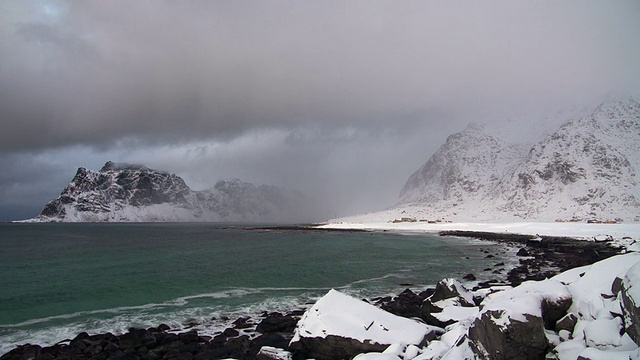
57,280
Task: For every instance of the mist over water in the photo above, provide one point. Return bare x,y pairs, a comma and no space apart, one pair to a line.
60,279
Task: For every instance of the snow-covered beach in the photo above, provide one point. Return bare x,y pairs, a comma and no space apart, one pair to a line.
621,233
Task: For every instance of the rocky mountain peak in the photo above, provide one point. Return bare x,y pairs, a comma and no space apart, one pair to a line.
113,166
468,163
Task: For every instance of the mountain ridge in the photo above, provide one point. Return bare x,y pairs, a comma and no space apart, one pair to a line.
121,192
585,170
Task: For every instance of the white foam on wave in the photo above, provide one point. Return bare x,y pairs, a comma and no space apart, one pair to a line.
179,314
193,311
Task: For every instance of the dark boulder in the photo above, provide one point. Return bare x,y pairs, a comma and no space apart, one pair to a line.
553,310
469,277
189,337
452,288
631,302
515,340
334,347
136,338
243,323
567,322
276,322
406,304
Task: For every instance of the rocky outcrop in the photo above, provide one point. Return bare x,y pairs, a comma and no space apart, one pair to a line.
338,326
135,193
272,353
515,340
630,296
512,324
447,293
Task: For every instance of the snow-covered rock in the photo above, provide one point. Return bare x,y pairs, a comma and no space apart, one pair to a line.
135,193
271,353
585,170
574,315
511,323
339,326
449,303
630,294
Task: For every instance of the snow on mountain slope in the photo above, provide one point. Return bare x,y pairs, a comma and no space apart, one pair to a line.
585,170
134,193
465,169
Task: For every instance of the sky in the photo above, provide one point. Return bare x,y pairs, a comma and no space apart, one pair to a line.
342,100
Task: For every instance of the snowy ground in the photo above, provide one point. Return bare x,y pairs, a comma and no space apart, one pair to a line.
623,233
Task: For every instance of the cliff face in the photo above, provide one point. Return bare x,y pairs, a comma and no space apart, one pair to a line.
586,169
123,192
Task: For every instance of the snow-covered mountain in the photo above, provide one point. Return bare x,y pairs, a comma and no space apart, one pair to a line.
135,193
584,170
467,167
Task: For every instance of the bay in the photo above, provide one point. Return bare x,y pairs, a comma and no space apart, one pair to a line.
57,280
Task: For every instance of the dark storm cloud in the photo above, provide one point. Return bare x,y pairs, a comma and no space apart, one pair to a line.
95,72
376,80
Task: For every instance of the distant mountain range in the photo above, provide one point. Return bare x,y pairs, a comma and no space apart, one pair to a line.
586,170
135,193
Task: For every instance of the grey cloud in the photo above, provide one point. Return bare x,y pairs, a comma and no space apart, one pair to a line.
350,77
174,71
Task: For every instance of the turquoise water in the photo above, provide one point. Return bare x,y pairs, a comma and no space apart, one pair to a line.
57,280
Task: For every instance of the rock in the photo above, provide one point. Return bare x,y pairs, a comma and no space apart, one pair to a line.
271,353
189,337
338,326
602,333
553,310
522,252
568,323
243,323
511,324
229,332
513,340
26,351
427,309
270,340
276,322
136,338
469,277
446,289
450,288
335,347
630,296
124,356
616,286
406,304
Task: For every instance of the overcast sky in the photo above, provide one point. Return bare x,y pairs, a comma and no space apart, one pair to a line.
343,100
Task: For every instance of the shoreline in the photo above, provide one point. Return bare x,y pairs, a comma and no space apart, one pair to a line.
539,258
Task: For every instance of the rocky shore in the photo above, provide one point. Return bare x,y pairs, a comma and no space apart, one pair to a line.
269,337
